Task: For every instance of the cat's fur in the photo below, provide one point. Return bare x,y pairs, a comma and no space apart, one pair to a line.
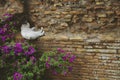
30,33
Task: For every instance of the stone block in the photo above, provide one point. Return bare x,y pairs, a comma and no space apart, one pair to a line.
110,12
68,16
53,8
80,50
101,50
101,15
10,10
99,3
61,38
48,12
65,13
118,51
87,19
64,24
118,12
57,12
106,37
99,7
57,16
74,12
47,37
76,38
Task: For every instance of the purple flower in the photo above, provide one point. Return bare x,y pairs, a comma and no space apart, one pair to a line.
10,35
60,50
6,49
49,58
17,76
18,48
8,16
60,65
70,68
66,57
2,31
6,25
3,38
72,58
27,53
54,72
14,23
47,65
30,51
33,59
65,73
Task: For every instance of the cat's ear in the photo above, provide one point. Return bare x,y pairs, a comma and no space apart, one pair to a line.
28,24
41,28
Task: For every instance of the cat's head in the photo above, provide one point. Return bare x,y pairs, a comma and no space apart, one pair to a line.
25,26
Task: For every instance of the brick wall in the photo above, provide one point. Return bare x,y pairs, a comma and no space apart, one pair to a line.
71,16
75,16
90,29
96,59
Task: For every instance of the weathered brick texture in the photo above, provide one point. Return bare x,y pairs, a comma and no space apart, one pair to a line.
74,16
95,60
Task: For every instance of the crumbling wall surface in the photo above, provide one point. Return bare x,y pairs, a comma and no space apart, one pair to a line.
75,16
90,29
96,60
70,16
10,6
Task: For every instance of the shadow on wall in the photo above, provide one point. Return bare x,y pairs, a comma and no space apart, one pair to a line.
20,17
2,2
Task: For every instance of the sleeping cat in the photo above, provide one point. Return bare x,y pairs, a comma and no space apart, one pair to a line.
30,33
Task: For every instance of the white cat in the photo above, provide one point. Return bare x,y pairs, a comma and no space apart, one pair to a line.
30,33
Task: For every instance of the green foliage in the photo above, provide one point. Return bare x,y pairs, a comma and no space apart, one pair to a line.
22,60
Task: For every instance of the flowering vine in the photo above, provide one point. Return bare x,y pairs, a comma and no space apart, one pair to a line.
25,61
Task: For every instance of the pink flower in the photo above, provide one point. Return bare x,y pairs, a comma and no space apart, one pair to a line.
17,76
33,59
47,65
72,58
60,50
